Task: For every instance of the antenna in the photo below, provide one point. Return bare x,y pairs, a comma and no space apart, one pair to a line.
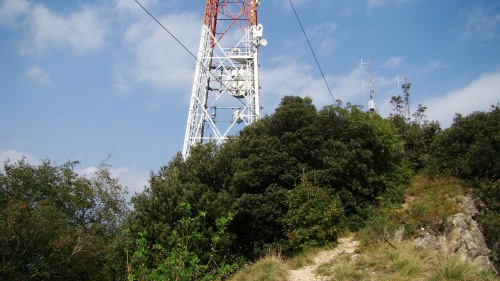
406,90
371,102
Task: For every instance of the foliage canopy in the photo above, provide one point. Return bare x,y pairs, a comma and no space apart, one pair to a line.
292,180
56,224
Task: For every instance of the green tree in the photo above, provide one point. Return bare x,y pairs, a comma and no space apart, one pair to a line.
186,201
417,135
259,222
419,115
361,159
417,143
397,103
56,224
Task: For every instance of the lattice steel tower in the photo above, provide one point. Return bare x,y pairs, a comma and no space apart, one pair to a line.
225,92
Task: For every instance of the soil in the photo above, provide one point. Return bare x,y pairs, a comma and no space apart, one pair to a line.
346,246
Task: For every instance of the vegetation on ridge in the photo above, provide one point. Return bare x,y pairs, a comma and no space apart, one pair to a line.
384,257
293,180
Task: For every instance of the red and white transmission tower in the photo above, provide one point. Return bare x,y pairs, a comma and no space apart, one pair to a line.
226,88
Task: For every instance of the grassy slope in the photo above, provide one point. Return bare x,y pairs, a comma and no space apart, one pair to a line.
406,262
270,268
428,203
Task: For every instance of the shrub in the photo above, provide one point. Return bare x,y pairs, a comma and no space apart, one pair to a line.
182,258
315,217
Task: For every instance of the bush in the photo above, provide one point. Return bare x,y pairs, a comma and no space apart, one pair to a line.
315,217
182,258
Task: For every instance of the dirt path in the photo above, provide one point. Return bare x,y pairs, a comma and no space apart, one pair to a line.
346,245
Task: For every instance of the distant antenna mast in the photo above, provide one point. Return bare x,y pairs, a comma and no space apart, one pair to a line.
226,87
406,91
371,102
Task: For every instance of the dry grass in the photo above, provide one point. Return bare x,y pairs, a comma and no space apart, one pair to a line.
433,201
407,262
428,203
270,268
342,269
451,267
303,259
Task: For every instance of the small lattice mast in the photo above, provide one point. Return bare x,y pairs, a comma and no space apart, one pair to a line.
225,92
371,87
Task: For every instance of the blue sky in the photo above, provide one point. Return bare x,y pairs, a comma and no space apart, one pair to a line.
83,79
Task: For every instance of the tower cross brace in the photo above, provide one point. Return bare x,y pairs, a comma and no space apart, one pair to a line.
226,91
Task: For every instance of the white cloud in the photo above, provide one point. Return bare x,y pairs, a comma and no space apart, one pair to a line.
122,83
13,156
327,47
131,178
290,78
81,31
479,95
11,9
481,25
38,75
348,87
45,30
158,59
392,62
324,31
434,64
321,30
298,79
307,81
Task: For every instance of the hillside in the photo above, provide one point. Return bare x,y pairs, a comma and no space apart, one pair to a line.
416,240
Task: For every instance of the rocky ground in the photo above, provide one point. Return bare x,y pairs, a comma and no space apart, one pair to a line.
460,235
